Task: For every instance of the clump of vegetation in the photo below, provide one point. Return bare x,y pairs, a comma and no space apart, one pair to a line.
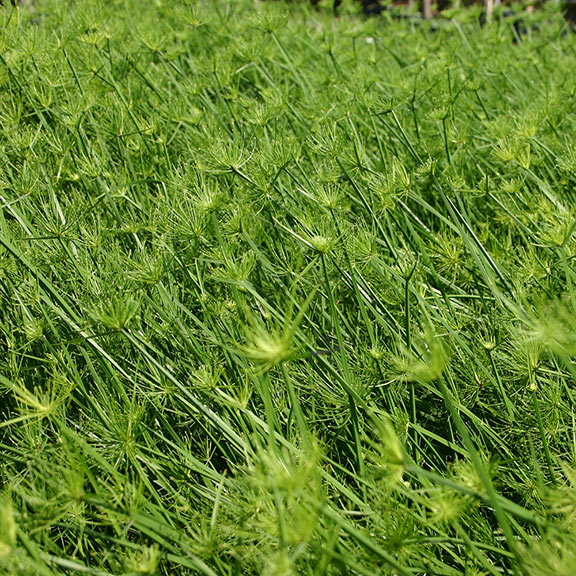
283,293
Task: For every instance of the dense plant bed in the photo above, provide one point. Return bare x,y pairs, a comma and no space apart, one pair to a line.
285,294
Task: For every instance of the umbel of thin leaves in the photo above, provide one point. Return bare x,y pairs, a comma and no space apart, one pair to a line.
117,313
426,366
269,347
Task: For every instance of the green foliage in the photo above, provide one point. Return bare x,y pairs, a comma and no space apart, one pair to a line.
285,294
